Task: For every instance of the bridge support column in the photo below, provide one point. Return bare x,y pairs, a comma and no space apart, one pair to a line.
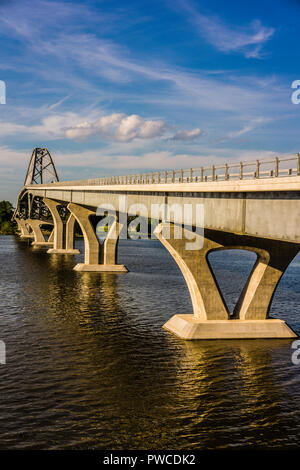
24,232
111,243
210,318
206,297
59,231
101,258
19,227
70,235
39,239
272,261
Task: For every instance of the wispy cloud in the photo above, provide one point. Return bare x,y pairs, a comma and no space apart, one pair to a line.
58,103
250,126
188,135
50,127
114,64
247,40
103,58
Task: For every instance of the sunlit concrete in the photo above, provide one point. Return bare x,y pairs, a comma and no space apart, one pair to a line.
39,238
97,257
23,229
259,207
59,230
188,327
105,268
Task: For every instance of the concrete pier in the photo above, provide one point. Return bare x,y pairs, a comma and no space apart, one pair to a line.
188,327
61,231
23,229
97,258
211,318
39,238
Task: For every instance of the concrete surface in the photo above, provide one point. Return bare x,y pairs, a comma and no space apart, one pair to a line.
188,327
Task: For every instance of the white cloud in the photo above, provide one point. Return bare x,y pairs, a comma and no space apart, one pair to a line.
247,40
128,128
115,127
118,127
151,129
188,135
106,122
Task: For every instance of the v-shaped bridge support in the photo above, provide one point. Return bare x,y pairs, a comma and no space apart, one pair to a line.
210,317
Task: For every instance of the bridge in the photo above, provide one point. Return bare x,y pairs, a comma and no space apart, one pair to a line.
252,206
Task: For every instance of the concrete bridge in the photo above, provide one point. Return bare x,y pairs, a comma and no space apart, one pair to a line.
252,206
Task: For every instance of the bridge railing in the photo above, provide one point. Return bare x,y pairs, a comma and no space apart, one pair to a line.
267,168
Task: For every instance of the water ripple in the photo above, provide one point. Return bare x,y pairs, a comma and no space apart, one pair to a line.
89,366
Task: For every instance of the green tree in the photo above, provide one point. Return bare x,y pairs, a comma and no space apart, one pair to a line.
7,227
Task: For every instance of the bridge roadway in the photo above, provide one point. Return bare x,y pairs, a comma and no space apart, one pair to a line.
259,215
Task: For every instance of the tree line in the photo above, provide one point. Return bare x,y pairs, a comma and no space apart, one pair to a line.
7,226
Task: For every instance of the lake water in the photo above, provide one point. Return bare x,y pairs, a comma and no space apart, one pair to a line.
90,367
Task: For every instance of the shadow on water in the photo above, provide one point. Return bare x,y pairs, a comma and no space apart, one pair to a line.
89,366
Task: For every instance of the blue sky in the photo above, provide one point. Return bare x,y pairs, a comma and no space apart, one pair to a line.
115,87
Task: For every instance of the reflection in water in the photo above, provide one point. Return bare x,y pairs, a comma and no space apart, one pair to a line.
89,365
243,385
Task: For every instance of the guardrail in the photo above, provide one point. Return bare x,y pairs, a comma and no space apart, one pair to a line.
267,168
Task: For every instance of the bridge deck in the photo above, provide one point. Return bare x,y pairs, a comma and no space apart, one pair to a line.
291,183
